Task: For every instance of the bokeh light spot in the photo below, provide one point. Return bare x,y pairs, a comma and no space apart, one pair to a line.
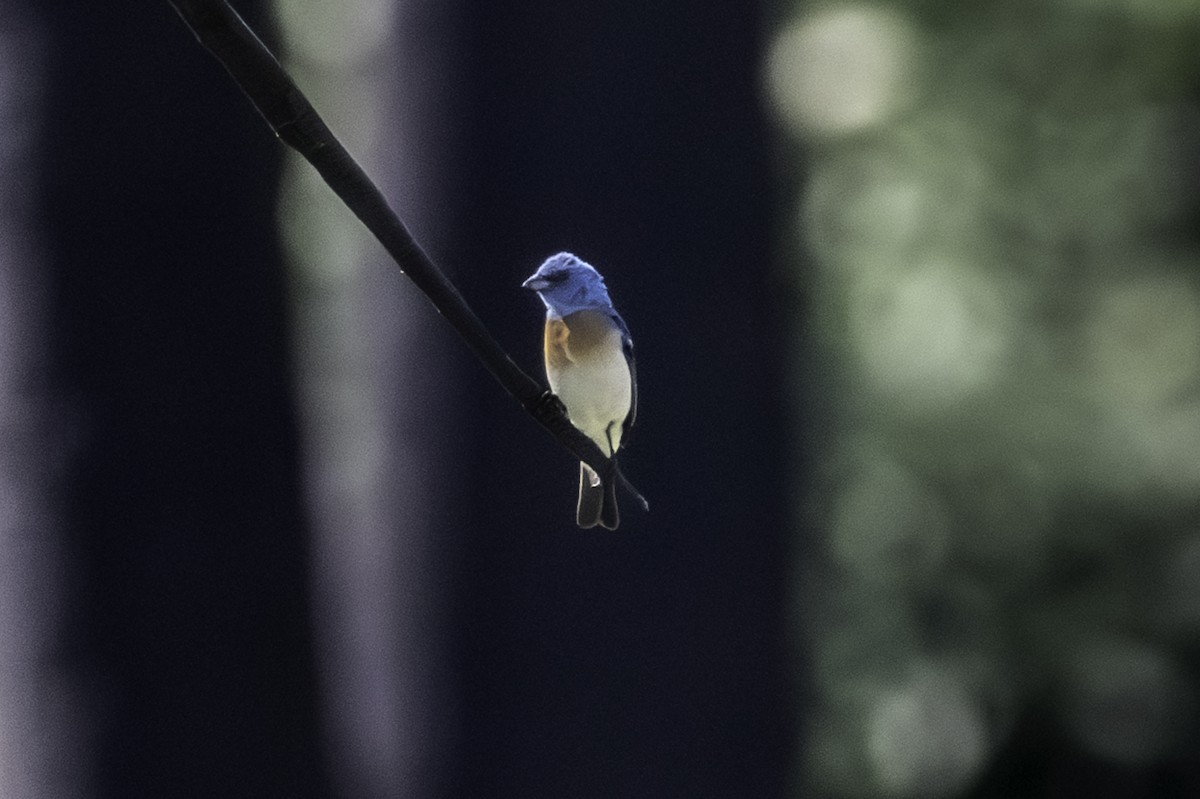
931,336
1144,339
841,70
927,738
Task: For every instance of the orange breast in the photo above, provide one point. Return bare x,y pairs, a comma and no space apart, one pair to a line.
556,338
576,337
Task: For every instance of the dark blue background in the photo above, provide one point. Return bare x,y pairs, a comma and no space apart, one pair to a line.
647,663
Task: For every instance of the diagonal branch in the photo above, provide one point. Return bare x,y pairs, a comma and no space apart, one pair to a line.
285,108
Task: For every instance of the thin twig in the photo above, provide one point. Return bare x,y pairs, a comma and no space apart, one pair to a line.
219,28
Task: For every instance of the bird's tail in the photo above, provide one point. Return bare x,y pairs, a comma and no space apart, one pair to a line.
597,500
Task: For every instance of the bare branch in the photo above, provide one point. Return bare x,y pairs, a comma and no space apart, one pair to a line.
289,113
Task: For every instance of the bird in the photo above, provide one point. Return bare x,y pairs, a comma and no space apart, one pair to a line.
590,368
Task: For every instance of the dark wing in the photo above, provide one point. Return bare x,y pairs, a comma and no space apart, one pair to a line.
627,349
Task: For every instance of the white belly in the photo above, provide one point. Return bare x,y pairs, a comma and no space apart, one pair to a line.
597,395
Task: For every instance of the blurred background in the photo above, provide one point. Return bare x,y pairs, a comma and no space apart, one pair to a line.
915,288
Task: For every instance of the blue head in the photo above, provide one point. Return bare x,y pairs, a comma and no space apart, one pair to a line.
566,284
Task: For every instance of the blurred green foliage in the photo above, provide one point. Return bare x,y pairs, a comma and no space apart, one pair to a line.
994,230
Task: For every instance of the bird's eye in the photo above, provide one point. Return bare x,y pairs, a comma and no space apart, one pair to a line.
555,277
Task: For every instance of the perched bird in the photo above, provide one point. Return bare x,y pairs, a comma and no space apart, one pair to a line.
589,363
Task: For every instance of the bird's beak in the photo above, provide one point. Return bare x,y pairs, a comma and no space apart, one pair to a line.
536,283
